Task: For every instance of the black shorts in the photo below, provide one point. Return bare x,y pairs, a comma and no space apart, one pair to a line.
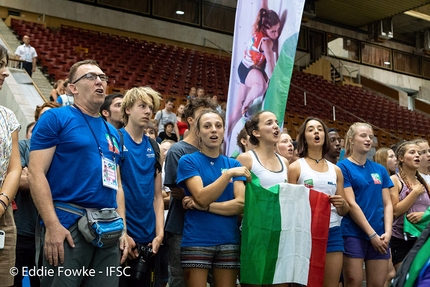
400,248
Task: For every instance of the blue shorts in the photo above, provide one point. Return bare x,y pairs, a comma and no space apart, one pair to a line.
335,240
225,256
360,248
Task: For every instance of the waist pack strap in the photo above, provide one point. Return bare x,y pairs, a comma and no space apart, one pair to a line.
70,207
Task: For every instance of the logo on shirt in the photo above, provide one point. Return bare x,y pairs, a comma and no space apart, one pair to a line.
331,183
150,153
376,178
309,183
112,147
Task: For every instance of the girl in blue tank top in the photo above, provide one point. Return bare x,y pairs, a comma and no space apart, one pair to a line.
315,172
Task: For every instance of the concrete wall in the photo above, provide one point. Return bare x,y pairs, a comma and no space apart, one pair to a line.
120,20
21,103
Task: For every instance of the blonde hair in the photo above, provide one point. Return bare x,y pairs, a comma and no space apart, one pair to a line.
350,135
145,94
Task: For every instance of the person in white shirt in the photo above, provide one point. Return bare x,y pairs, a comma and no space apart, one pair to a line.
28,54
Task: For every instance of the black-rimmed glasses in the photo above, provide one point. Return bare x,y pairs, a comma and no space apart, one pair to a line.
92,77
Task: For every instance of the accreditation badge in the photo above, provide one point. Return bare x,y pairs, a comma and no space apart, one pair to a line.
109,173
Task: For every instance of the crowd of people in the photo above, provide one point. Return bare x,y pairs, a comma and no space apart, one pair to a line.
134,195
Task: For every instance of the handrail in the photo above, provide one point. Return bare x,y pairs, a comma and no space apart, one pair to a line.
343,66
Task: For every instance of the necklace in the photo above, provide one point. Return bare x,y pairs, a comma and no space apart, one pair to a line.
316,160
362,164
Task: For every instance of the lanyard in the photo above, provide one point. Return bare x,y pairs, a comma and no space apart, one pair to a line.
91,129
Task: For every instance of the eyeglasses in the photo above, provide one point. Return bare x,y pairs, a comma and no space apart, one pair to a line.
92,77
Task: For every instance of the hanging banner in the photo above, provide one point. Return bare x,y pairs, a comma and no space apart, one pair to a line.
264,48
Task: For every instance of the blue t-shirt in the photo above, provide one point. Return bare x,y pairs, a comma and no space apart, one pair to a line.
175,218
75,173
367,183
203,228
137,175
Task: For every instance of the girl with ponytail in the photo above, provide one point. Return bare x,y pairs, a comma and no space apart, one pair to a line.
410,196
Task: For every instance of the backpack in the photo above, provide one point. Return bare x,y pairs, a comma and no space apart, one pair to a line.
155,148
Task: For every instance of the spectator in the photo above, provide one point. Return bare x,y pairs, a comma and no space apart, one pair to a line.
410,198
243,142
182,122
424,159
193,93
218,108
57,91
366,229
25,217
285,146
43,108
200,93
334,152
386,157
74,160
215,193
28,54
10,172
175,218
111,110
141,180
167,133
67,98
314,171
166,115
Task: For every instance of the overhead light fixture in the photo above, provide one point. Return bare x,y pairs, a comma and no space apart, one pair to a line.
418,15
387,63
180,12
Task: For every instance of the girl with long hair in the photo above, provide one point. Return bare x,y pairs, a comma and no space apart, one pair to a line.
10,174
314,171
366,229
424,159
263,161
410,196
387,158
182,122
285,147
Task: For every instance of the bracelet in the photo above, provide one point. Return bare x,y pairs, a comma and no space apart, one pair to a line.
4,205
5,195
373,235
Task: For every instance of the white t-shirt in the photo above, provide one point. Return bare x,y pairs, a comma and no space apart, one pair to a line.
164,117
26,53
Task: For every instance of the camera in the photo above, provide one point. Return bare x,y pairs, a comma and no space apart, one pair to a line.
139,265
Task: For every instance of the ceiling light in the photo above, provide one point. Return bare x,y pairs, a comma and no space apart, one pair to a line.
180,12
418,15
387,63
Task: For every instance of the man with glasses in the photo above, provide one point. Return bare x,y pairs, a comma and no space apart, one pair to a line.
74,165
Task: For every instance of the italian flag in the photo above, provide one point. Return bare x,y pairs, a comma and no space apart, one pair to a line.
284,234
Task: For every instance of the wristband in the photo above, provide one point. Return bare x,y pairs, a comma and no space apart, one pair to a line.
5,195
373,235
2,203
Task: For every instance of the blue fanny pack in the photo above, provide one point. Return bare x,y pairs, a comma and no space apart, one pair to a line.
101,227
